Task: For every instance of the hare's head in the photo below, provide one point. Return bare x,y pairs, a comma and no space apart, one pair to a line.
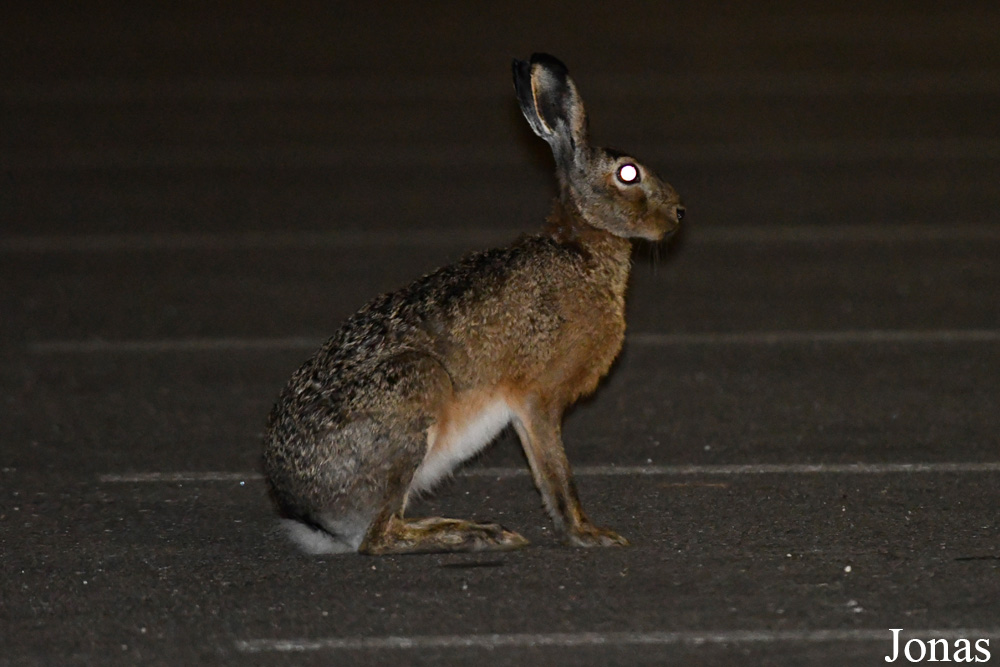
608,189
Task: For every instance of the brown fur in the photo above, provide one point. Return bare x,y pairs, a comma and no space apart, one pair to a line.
421,378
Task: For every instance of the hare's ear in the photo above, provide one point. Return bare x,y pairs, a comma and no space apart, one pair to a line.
550,103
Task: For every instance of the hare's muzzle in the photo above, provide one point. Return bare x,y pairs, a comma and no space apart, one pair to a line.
665,222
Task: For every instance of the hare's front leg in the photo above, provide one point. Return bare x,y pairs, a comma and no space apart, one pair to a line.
541,437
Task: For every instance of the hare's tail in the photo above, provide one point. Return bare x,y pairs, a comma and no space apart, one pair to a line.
315,541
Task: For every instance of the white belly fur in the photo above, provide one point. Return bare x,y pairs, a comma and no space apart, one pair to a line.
460,435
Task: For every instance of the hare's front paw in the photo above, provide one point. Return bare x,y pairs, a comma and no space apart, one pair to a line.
589,535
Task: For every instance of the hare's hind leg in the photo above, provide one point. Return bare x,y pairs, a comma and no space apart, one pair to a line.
393,534
389,532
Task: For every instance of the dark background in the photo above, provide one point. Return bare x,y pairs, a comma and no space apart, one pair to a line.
194,195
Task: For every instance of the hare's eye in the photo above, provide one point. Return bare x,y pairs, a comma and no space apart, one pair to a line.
628,173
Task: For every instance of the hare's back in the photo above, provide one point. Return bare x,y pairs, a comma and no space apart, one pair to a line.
483,313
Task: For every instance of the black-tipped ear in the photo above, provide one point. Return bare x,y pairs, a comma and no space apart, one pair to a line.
526,99
550,103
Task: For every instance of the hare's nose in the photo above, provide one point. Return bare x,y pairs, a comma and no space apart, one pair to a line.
679,211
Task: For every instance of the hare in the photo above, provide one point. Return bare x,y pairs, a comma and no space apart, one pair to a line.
421,379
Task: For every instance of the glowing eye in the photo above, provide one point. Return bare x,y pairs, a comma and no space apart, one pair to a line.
628,173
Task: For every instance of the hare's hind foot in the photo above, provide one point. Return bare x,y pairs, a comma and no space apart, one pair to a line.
435,535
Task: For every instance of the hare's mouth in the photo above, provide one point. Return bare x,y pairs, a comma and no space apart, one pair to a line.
657,233
665,224
668,233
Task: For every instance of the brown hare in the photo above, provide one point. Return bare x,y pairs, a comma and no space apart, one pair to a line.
421,379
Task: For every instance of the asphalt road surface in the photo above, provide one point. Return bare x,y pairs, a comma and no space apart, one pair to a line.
800,438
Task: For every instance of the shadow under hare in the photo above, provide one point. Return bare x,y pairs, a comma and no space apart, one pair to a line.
421,379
